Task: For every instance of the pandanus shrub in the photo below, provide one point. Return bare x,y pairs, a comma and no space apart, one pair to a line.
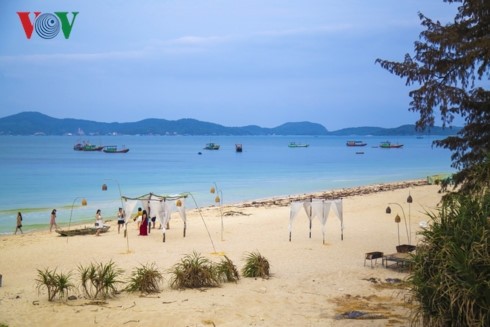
256,266
145,279
194,271
451,273
100,280
57,284
227,271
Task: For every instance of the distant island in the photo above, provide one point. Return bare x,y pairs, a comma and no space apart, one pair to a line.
36,123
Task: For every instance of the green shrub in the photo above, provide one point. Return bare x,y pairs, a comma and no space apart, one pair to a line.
55,283
145,279
451,272
227,271
256,266
194,271
99,280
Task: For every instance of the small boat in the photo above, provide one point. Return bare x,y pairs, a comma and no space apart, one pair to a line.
82,231
211,146
360,152
356,143
238,148
389,145
86,146
298,145
114,149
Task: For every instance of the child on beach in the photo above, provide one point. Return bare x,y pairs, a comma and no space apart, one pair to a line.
52,221
19,223
99,223
120,219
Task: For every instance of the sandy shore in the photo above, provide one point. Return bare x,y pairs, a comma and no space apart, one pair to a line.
312,282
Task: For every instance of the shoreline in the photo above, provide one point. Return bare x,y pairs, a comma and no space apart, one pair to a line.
280,201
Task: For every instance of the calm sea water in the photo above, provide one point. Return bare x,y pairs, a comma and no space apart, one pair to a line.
39,173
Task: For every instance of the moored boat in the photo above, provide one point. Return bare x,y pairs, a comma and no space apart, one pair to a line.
86,146
238,148
389,145
114,149
211,146
356,143
298,145
82,231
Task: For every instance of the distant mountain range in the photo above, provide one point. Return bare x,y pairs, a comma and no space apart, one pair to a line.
35,123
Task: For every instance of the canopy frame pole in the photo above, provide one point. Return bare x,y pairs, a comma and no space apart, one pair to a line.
310,213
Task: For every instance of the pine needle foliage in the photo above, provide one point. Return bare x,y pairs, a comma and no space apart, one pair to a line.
256,266
100,280
57,284
194,271
451,273
449,70
146,279
227,271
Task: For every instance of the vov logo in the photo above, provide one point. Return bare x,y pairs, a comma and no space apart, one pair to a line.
47,25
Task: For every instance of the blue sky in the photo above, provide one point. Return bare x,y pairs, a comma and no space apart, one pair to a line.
232,62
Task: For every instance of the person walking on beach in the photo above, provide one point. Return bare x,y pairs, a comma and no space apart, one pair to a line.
52,221
120,219
19,223
99,223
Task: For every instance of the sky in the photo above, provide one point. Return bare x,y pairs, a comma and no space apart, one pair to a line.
231,62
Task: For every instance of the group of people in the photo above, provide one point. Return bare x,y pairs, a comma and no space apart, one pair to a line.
18,225
144,223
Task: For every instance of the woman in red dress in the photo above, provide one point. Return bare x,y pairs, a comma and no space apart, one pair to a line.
144,224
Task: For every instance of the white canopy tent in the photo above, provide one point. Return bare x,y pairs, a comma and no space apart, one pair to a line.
159,206
317,208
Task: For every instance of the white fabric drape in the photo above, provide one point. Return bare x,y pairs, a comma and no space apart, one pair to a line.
129,206
156,209
317,208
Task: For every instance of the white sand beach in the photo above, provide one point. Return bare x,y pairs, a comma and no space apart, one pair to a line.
311,282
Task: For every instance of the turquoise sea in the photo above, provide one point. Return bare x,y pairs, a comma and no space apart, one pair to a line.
39,173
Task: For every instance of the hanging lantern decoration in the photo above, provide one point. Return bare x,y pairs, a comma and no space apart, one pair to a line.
104,187
217,199
397,219
84,202
178,203
212,190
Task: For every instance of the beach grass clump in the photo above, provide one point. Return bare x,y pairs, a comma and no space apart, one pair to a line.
57,284
450,274
100,280
145,279
227,271
256,266
194,271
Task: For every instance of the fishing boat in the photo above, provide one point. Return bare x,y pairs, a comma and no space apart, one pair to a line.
356,143
114,149
389,145
298,145
211,146
238,148
82,231
86,146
